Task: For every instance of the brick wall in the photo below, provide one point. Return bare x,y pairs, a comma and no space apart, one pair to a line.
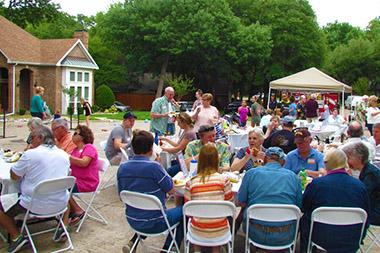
136,101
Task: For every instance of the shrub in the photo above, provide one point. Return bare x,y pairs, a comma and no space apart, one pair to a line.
104,97
112,109
70,110
22,111
95,108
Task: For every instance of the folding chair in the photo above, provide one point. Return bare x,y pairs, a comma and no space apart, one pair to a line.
208,209
338,216
373,237
272,213
41,191
152,203
103,166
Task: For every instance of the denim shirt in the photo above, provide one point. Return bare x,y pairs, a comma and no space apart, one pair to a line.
370,176
313,162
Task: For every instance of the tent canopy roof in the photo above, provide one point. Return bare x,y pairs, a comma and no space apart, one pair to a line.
310,79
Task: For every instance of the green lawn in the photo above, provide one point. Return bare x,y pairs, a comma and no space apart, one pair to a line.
141,115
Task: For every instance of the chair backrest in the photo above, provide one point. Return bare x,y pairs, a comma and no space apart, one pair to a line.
103,164
141,200
103,144
273,212
209,209
339,215
125,157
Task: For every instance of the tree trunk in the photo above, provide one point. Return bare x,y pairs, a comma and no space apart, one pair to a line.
162,77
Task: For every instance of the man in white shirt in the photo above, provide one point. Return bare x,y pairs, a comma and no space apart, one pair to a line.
375,141
42,162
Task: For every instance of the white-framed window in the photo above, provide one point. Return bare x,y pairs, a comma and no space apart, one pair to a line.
79,76
86,77
72,76
79,82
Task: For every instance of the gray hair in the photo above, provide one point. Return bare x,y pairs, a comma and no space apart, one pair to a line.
355,129
257,131
357,150
62,122
377,125
169,89
34,122
46,135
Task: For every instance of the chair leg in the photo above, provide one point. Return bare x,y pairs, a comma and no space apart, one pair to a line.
71,246
86,213
135,244
2,237
30,239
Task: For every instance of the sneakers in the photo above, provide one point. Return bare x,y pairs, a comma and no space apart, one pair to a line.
128,247
60,235
15,246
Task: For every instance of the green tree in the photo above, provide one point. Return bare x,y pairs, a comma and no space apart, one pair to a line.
104,97
298,42
341,33
182,85
24,12
195,36
361,86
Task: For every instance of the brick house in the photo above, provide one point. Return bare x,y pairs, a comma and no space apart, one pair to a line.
26,61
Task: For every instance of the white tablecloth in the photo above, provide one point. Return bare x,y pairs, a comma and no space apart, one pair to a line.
8,185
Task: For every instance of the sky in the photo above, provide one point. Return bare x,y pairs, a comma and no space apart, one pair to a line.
356,12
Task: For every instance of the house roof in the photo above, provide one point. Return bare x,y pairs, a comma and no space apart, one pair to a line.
311,79
19,46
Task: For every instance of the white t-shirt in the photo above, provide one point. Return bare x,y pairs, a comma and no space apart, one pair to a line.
207,116
338,120
373,119
36,165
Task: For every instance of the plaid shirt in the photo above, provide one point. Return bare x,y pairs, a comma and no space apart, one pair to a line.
160,105
194,147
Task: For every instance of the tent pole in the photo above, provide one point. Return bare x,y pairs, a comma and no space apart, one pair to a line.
268,97
342,105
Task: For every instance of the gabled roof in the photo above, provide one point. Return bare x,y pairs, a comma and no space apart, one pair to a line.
19,46
310,79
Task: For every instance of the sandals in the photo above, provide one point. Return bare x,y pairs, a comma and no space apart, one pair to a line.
75,218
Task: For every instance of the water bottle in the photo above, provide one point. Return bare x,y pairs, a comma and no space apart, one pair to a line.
156,138
193,168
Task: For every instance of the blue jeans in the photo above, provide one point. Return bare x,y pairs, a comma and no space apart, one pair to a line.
271,233
173,170
174,215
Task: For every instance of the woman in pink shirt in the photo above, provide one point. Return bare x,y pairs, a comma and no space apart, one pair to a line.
205,114
243,113
84,167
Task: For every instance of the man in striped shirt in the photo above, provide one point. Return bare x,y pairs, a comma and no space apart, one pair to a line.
139,174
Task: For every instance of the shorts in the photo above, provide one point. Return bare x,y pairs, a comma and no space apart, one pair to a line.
15,210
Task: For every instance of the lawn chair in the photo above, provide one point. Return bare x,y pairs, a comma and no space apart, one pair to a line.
373,237
208,209
152,203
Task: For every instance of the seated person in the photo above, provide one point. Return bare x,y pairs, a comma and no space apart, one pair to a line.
335,118
41,162
120,137
60,128
33,123
139,174
85,169
357,158
252,156
270,184
206,135
305,157
282,138
336,189
208,184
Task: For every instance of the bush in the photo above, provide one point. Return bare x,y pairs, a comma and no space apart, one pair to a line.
104,97
95,108
70,110
112,109
22,111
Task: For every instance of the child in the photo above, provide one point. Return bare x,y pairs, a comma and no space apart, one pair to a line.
243,113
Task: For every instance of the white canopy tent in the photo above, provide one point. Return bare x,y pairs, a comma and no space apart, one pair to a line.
312,80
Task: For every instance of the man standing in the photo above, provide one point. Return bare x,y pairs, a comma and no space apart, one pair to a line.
311,109
42,162
139,174
271,184
283,138
256,110
361,110
305,157
60,129
161,108
375,141
119,138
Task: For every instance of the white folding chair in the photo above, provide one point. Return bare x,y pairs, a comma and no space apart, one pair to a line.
373,236
338,216
124,156
152,203
41,191
272,213
211,210
103,164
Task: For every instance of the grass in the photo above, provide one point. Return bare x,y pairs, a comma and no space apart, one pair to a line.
141,115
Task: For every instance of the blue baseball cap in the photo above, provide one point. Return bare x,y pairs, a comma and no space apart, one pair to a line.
275,151
129,115
287,120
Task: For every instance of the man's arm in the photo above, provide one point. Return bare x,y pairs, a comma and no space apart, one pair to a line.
156,115
14,176
117,144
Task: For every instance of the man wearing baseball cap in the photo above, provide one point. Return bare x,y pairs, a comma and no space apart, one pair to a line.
120,137
283,138
305,157
271,184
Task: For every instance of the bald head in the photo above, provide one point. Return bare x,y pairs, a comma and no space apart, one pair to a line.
169,93
355,129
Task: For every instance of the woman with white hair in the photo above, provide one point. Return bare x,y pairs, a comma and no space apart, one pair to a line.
33,124
373,112
251,156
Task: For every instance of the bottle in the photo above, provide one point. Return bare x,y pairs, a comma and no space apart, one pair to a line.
303,176
193,168
156,138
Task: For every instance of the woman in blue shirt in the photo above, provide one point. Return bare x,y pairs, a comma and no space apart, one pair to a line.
37,104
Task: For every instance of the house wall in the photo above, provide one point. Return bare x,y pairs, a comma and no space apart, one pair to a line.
136,101
77,52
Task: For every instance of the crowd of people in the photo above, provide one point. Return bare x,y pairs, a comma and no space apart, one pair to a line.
343,174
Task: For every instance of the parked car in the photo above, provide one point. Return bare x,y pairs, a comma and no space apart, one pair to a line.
185,106
122,107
